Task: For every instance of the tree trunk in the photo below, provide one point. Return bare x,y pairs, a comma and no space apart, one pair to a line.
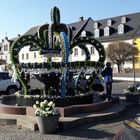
119,70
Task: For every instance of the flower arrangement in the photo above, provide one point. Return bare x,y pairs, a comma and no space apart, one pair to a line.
45,108
19,94
133,89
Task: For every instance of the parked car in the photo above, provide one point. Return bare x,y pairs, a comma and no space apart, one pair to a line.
6,84
97,83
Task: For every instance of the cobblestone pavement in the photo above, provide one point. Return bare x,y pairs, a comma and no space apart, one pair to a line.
104,130
119,86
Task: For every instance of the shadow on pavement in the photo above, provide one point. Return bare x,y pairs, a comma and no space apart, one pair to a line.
103,129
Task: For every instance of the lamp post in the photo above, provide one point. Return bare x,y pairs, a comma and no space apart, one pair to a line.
133,58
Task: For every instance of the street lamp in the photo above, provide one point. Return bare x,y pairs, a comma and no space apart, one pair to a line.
133,59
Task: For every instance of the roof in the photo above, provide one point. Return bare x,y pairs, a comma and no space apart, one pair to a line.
13,39
80,26
132,25
32,30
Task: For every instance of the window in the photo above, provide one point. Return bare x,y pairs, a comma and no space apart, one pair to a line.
92,50
123,20
4,76
121,29
96,33
23,56
83,53
83,34
76,52
95,25
106,31
27,56
5,47
34,54
109,22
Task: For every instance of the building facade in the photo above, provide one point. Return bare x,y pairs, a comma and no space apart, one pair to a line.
124,28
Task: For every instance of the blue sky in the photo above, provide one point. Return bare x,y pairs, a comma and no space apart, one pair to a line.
17,16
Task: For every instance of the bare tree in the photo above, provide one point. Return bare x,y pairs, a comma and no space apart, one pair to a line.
121,52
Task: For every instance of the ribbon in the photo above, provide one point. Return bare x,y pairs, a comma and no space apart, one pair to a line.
14,75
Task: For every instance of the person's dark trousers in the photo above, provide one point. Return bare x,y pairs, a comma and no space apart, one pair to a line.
108,90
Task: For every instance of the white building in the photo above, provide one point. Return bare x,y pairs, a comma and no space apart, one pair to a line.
121,28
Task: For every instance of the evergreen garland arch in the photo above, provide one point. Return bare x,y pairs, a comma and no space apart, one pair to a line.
45,43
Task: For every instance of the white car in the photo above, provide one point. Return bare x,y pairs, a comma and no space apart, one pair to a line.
6,84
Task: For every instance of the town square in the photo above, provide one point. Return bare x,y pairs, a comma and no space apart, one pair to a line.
67,79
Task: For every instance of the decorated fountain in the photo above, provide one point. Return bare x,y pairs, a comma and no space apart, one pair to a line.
61,83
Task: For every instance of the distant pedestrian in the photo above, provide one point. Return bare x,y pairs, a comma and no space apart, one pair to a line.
107,74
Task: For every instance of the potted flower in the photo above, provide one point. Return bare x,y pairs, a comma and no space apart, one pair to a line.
47,116
132,93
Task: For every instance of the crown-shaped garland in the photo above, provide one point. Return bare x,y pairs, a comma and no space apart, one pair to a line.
51,39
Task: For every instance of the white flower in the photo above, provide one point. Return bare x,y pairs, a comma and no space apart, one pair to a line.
47,109
37,102
42,104
17,93
45,101
26,96
41,96
37,111
50,104
34,106
37,96
44,108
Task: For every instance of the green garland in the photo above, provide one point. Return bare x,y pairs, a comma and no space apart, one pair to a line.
45,44
92,41
89,81
17,45
58,65
55,15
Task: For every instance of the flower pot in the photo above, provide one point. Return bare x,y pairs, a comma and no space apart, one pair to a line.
47,124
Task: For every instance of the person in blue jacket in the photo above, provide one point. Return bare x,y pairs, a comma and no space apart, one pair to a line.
107,74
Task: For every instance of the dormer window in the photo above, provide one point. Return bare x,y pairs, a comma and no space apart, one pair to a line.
95,25
75,51
83,34
106,31
121,29
5,47
97,33
123,20
109,22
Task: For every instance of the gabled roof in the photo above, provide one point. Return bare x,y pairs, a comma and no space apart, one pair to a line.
132,24
77,27
32,30
132,27
80,26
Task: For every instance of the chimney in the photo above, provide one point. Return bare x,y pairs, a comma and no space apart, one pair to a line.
6,38
81,18
2,40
